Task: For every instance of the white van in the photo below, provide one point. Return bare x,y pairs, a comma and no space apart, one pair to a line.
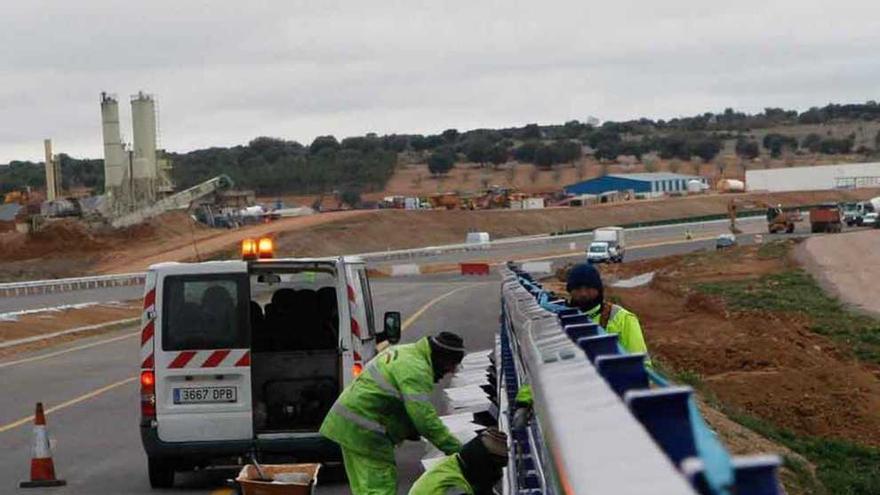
243,358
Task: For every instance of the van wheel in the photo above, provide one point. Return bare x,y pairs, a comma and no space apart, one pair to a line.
161,473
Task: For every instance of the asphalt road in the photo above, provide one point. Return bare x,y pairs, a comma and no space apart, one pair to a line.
96,440
93,389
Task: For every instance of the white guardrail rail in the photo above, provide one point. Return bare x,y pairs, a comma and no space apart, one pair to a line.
13,289
36,287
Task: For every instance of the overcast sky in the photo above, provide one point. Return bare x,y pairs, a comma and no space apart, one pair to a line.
226,71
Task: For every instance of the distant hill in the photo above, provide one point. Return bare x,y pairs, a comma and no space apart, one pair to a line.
729,142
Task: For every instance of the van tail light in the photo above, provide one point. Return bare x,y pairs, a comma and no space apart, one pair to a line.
357,369
148,395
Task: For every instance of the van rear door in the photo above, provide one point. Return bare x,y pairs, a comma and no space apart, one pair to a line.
202,357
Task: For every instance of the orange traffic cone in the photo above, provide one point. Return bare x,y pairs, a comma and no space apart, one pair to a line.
42,467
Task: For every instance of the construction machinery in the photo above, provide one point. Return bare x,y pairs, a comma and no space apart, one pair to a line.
18,197
778,218
449,201
181,200
826,218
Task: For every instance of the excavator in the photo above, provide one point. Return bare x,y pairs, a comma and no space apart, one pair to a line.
778,219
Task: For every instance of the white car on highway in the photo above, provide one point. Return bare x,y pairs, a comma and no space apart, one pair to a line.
248,356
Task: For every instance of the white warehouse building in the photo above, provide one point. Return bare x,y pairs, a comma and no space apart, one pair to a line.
821,177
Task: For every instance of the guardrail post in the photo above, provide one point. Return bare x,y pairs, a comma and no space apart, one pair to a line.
666,416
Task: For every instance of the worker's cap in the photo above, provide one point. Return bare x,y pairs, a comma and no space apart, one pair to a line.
583,275
447,345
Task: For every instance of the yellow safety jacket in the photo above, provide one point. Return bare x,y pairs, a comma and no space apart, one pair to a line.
388,403
443,478
616,319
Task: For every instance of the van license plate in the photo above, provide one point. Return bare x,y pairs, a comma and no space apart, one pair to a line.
205,395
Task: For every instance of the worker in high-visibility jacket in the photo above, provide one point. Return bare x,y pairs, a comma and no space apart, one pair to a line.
388,403
473,471
587,293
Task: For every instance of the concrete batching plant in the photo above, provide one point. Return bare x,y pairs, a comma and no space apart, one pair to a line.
138,175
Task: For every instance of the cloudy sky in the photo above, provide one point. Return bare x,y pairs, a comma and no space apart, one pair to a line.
226,71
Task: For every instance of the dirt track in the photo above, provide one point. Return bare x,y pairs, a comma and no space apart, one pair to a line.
847,265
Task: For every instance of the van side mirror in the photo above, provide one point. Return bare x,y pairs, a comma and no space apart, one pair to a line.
392,327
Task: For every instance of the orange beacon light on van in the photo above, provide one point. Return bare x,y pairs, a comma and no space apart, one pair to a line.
252,249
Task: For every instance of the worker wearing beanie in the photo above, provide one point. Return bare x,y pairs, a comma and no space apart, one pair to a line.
389,403
474,470
588,294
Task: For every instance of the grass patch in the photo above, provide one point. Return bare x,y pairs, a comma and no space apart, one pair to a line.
843,468
773,250
795,291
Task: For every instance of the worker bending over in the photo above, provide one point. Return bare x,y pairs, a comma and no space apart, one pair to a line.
473,471
587,293
389,403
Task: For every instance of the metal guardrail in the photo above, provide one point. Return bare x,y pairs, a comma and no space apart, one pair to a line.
604,422
583,439
70,284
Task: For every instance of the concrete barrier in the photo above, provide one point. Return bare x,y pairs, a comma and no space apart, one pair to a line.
537,267
405,270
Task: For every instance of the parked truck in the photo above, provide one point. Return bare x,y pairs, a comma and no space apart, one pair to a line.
865,207
609,245
826,218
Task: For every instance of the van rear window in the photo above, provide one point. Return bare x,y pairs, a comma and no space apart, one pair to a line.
205,312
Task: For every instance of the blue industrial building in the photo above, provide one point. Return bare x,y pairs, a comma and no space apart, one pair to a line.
648,184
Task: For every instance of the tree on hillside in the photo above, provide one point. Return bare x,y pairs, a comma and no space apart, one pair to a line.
706,148
812,142
525,152
776,143
350,197
544,157
531,131
835,146
499,155
573,129
478,150
747,148
441,161
323,142
450,136
566,151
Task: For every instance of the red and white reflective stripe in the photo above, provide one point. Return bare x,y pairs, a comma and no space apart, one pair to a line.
220,358
353,309
148,329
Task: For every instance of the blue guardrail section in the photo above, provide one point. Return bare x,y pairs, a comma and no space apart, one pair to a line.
604,421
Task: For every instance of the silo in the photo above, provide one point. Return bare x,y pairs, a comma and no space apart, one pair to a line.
114,153
143,117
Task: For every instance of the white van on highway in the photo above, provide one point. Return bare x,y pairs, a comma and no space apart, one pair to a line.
243,358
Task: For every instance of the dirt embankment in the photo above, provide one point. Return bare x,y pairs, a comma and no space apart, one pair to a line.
847,265
399,229
765,363
67,248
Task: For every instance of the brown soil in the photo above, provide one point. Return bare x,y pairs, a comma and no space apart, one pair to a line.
69,249
763,363
46,322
